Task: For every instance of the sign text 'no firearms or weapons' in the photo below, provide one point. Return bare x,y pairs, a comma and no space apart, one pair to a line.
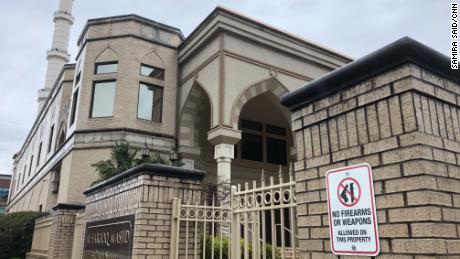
352,214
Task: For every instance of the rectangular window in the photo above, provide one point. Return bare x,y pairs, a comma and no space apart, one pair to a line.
3,195
31,163
252,125
50,140
275,130
152,72
39,153
106,67
251,147
276,151
150,101
103,99
74,107
257,144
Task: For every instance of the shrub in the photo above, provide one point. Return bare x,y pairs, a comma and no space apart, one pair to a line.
122,158
225,244
16,233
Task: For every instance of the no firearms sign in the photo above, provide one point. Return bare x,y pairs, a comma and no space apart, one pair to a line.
351,205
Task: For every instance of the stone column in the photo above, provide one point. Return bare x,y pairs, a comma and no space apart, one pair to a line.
224,139
62,229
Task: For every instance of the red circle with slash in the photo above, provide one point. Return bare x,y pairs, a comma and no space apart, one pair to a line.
349,192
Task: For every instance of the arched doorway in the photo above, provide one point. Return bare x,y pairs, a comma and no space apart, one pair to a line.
266,139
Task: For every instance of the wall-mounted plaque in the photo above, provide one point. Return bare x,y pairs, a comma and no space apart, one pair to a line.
111,238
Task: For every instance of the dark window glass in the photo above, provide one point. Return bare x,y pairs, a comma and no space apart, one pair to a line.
50,140
153,72
60,140
246,124
19,181
74,107
235,150
107,67
149,105
275,130
103,99
39,153
251,147
276,151
77,78
31,163
3,194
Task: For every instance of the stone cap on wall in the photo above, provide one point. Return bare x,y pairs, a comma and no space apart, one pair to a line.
149,169
69,206
402,51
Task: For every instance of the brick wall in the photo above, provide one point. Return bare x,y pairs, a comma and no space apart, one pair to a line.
149,197
62,230
405,124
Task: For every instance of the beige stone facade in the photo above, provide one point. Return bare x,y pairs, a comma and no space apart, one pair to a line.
224,71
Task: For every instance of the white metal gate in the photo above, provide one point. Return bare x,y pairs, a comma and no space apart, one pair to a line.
260,222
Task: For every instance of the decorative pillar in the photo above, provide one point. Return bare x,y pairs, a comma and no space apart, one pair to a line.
223,153
224,138
62,230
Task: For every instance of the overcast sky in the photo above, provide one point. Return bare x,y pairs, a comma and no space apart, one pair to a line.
354,27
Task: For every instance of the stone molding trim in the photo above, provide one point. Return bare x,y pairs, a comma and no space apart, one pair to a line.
398,53
149,169
270,84
124,18
190,117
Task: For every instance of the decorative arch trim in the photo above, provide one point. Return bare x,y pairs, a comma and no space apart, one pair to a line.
154,53
263,86
189,119
107,54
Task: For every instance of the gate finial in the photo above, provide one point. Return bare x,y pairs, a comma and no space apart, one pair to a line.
262,177
280,174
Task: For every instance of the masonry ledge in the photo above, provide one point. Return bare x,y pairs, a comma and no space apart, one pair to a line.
149,169
400,52
69,206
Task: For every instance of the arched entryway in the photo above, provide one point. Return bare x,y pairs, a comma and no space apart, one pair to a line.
266,139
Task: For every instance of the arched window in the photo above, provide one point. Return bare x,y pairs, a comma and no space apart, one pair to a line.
61,140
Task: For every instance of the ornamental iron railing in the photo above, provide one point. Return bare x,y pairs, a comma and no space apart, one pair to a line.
258,221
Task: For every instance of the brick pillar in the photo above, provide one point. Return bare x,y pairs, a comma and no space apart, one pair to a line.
405,124
147,192
62,229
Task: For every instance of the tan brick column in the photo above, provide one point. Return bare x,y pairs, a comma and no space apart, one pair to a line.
405,124
62,229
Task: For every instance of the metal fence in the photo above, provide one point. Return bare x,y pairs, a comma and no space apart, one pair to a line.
259,222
